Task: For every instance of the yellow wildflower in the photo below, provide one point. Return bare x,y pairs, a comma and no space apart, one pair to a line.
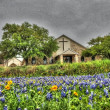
75,93
10,82
39,92
7,87
54,87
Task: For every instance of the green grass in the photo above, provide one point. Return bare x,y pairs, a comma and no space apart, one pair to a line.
83,68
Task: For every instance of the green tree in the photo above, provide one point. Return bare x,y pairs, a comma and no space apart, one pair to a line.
98,46
27,41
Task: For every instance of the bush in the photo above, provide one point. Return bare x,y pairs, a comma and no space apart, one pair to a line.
83,68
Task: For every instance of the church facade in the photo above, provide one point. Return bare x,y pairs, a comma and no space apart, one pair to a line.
69,51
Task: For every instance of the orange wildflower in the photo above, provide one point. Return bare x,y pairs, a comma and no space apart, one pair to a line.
54,87
75,93
7,87
10,82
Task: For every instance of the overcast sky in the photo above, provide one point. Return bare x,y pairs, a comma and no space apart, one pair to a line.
80,20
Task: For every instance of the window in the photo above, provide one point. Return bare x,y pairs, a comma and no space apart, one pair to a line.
93,58
82,58
33,60
45,60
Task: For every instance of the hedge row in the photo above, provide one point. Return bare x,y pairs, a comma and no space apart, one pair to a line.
84,68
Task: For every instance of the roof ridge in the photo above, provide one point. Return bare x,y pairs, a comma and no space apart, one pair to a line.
72,40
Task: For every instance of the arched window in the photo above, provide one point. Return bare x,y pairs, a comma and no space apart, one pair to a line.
82,58
45,60
93,58
33,60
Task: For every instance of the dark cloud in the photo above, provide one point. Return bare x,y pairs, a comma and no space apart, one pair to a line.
79,19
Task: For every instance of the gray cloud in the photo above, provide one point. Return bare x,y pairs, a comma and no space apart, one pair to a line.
79,19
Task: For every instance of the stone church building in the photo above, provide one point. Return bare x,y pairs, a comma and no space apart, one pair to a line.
69,51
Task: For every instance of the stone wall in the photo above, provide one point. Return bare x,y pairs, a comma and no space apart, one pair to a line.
77,48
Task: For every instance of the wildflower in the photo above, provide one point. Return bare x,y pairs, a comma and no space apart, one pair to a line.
100,96
54,87
87,92
5,107
7,87
75,93
39,92
19,108
2,99
38,89
1,93
49,96
93,86
10,82
63,94
80,98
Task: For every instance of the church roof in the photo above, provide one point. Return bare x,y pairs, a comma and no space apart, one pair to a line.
72,40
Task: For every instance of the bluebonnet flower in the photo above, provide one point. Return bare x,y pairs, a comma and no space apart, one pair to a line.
105,91
2,99
92,93
80,98
87,92
69,92
49,96
38,89
100,85
67,82
19,108
59,84
5,107
93,86
63,94
1,93
64,88
100,96
80,88
75,83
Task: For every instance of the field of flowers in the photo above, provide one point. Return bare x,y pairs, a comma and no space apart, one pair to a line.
56,93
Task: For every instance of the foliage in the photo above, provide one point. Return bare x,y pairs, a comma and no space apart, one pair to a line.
84,68
98,46
27,41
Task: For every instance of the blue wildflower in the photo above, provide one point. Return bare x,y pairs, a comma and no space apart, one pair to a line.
80,98
87,92
19,108
100,96
1,93
5,107
63,94
2,99
93,86
49,96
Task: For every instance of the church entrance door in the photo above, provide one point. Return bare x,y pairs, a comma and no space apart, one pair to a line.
67,59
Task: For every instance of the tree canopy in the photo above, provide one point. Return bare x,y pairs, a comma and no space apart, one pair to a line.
27,41
98,46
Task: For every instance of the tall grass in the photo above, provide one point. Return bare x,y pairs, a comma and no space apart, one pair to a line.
83,68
